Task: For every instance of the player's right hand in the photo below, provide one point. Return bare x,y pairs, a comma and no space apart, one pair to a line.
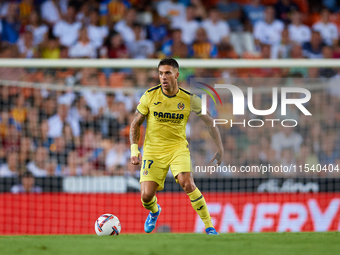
136,160
136,156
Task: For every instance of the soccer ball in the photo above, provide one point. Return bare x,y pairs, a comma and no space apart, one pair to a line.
107,225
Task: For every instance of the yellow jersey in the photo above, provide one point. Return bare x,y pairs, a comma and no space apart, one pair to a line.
167,118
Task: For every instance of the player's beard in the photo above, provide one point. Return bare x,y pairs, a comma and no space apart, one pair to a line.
166,86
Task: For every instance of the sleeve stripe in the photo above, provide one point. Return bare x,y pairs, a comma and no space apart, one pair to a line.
157,87
141,113
186,92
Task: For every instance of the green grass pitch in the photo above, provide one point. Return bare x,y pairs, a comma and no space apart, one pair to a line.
187,244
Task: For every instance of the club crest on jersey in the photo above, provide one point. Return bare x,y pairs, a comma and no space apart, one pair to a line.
181,106
145,172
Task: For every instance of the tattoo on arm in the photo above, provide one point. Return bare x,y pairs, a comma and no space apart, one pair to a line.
135,127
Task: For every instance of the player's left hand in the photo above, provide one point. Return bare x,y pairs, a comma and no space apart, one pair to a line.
217,157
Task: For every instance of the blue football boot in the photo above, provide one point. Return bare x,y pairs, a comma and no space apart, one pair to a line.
151,220
211,231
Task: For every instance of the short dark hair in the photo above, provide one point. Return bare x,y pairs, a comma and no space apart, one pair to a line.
324,9
136,25
176,30
27,173
168,62
214,9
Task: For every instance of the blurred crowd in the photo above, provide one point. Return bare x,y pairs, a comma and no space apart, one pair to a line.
109,29
142,29
52,132
65,133
62,132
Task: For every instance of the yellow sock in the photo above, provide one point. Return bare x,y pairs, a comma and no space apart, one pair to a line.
152,205
200,206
